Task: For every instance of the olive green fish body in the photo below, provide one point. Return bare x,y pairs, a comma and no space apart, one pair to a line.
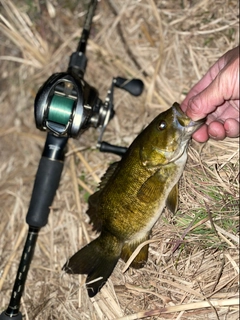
132,195
135,196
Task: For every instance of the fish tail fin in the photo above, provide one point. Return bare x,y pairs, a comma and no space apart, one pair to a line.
97,260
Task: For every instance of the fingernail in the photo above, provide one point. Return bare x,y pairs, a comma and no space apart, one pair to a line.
212,136
227,127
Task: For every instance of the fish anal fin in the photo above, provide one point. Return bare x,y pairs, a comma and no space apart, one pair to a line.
172,199
141,258
97,260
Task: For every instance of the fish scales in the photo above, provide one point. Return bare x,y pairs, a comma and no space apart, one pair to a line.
127,186
132,195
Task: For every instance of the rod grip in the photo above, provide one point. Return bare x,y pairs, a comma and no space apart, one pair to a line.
44,189
4,316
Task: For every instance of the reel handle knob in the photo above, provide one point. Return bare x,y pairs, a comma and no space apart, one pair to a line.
107,147
134,86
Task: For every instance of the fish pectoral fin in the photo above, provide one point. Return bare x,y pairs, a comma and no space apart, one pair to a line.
97,260
172,199
149,191
141,258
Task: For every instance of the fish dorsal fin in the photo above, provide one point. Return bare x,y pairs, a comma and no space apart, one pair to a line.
93,200
150,189
108,174
172,199
141,259
92,212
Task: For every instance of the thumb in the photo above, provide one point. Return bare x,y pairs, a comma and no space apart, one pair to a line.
224,87
205,102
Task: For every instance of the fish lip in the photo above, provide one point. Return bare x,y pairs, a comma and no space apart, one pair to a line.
186,127
194,125
186,124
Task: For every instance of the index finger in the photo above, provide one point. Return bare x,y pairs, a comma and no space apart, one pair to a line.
204,82
224,87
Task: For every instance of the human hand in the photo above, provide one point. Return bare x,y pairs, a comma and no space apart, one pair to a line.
216,97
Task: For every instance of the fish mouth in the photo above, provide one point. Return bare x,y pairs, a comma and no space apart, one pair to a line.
184,123
193,126
185,127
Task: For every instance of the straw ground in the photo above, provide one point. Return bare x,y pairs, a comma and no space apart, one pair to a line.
193,266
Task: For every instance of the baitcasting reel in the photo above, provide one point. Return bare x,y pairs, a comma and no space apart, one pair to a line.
66,105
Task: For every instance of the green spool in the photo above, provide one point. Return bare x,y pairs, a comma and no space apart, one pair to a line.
60,109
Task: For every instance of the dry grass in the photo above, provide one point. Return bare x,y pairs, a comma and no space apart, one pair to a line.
193,267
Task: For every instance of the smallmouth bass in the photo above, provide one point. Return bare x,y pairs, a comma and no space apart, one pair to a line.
132,195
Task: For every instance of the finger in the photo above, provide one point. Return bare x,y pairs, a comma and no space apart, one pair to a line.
232,128
201,135
206,102
216,130
223,88
204,82
199,87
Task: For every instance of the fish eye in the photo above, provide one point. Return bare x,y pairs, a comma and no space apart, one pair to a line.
162,125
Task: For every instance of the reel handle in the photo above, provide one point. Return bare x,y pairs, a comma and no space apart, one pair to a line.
133,86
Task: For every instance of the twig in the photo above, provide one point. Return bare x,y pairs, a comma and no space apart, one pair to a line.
219,275
183,307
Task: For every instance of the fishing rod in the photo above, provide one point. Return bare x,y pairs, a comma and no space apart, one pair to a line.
64,107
